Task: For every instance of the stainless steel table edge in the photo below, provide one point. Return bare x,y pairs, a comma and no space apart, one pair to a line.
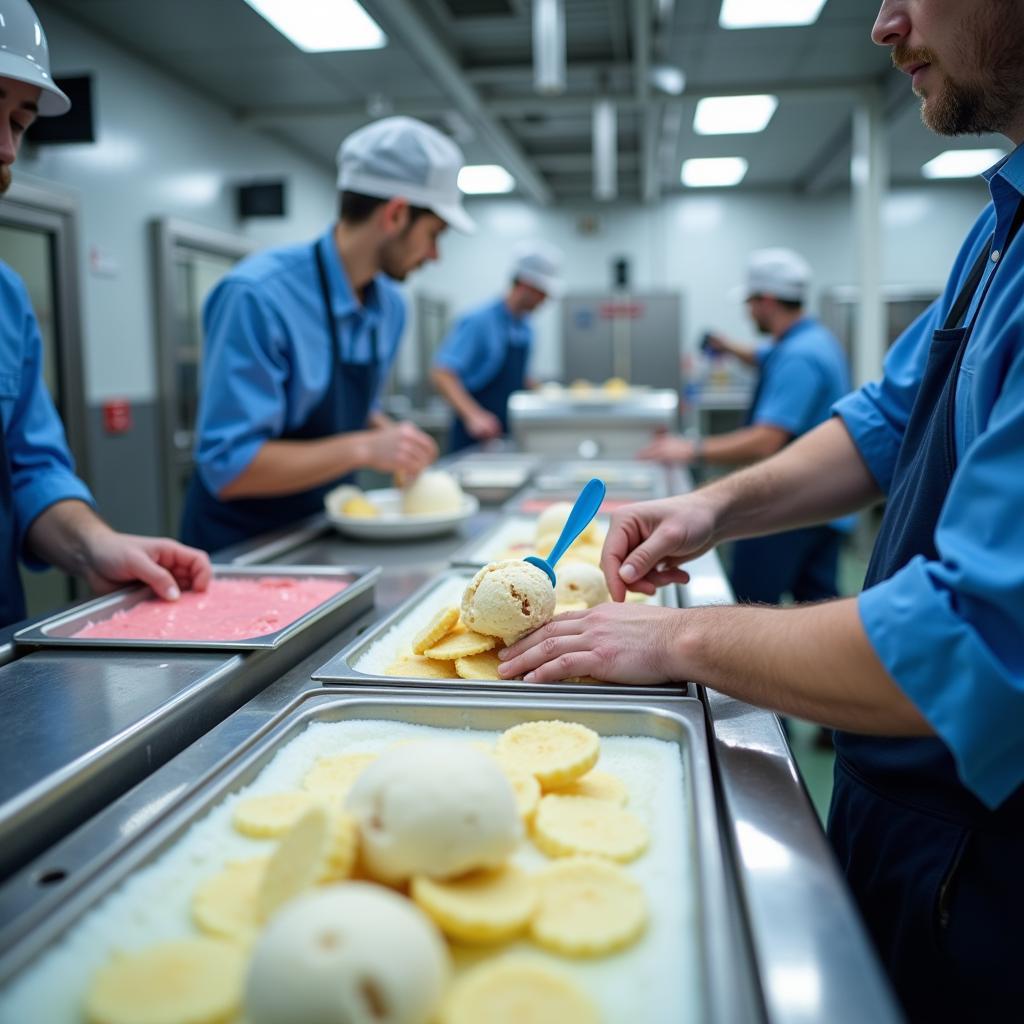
366,578
245,759
347,674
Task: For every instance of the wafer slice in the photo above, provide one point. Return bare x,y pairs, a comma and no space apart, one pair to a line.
598,785
567,825
479,666
555,752
342,847
526,789
435,630
269,814
461,644
226,905
517,990
587,907
299,861
482,907
194,981
333,777
416,666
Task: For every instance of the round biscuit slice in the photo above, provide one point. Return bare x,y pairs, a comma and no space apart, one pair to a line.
555,752
568,825
269,814
225,906
435,630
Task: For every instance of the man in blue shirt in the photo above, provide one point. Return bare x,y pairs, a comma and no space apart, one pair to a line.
299,342
485,358
802,373
46,512
923,674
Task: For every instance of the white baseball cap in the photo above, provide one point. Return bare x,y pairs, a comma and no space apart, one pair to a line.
540,265
25,57
781,273
400,156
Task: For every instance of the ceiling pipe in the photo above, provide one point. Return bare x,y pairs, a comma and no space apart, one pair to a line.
605,143
549,53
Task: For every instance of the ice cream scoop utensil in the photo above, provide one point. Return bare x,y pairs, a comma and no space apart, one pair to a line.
585,508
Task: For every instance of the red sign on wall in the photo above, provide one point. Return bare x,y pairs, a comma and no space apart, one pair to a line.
117,416
621,310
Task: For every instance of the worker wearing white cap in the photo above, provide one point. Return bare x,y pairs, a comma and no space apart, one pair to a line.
802,372
485,357
299,341
46,511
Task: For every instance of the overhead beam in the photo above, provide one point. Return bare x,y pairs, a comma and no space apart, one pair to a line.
401,20
642,95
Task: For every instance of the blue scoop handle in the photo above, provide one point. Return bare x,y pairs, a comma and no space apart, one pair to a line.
585,508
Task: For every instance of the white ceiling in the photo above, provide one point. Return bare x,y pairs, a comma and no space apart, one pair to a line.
466,66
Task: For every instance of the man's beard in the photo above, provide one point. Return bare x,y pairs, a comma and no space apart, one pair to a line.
5,178
991,40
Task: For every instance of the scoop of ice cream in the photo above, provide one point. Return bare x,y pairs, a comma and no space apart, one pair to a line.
360,507
578,581
336,499
432,493
508,599
436,809
551,521
347,953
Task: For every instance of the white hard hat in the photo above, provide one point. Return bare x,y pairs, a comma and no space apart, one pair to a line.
781,273
400,156
540,265
25,57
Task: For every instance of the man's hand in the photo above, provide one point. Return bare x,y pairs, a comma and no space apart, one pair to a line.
483,425
668,448
616,643
647,542
402,449
112,559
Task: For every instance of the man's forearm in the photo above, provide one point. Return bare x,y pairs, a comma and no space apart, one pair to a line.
454,393
748,444
290,467
814,662
819,477
60,534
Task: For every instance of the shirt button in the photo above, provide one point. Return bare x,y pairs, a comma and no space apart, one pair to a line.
995,256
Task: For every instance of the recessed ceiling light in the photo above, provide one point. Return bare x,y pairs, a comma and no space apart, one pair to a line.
319,27
769,13
961,163
482,179
668,78
707,172
732,115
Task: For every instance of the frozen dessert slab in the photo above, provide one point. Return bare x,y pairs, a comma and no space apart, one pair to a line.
367,659
659,752
244,608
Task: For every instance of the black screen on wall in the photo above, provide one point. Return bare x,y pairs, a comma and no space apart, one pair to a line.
74,126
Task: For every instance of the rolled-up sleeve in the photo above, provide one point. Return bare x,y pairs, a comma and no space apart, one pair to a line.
42,469
950,631
244,387
794,389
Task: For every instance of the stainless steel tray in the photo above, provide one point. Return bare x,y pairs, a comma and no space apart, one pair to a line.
618,475
533,501
341,668
723,972
59,630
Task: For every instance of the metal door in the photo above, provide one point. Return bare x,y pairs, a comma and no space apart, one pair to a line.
38,241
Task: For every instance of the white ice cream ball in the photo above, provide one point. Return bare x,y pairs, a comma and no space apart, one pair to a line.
353,953
336,499
553,518
436,809
508,599
434,492
578,581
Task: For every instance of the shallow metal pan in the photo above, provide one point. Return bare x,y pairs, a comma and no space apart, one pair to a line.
341,668
59,630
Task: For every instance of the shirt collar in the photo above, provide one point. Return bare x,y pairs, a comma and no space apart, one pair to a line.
1010,169
343,299
793,328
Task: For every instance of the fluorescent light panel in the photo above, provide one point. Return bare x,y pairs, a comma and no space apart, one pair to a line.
485,179
549,53
605,131
769,13
319,26
711,171
961,163
733,115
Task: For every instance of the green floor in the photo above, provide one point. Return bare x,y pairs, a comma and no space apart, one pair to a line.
814,761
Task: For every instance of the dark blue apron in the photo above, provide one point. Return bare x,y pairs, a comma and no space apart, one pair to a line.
12,599
494,395
211,523
938,876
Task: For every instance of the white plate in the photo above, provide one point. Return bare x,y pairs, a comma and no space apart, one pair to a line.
393,524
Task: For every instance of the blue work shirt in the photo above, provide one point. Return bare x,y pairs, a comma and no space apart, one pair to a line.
475,348
269,354
950,631
42,470
803,374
